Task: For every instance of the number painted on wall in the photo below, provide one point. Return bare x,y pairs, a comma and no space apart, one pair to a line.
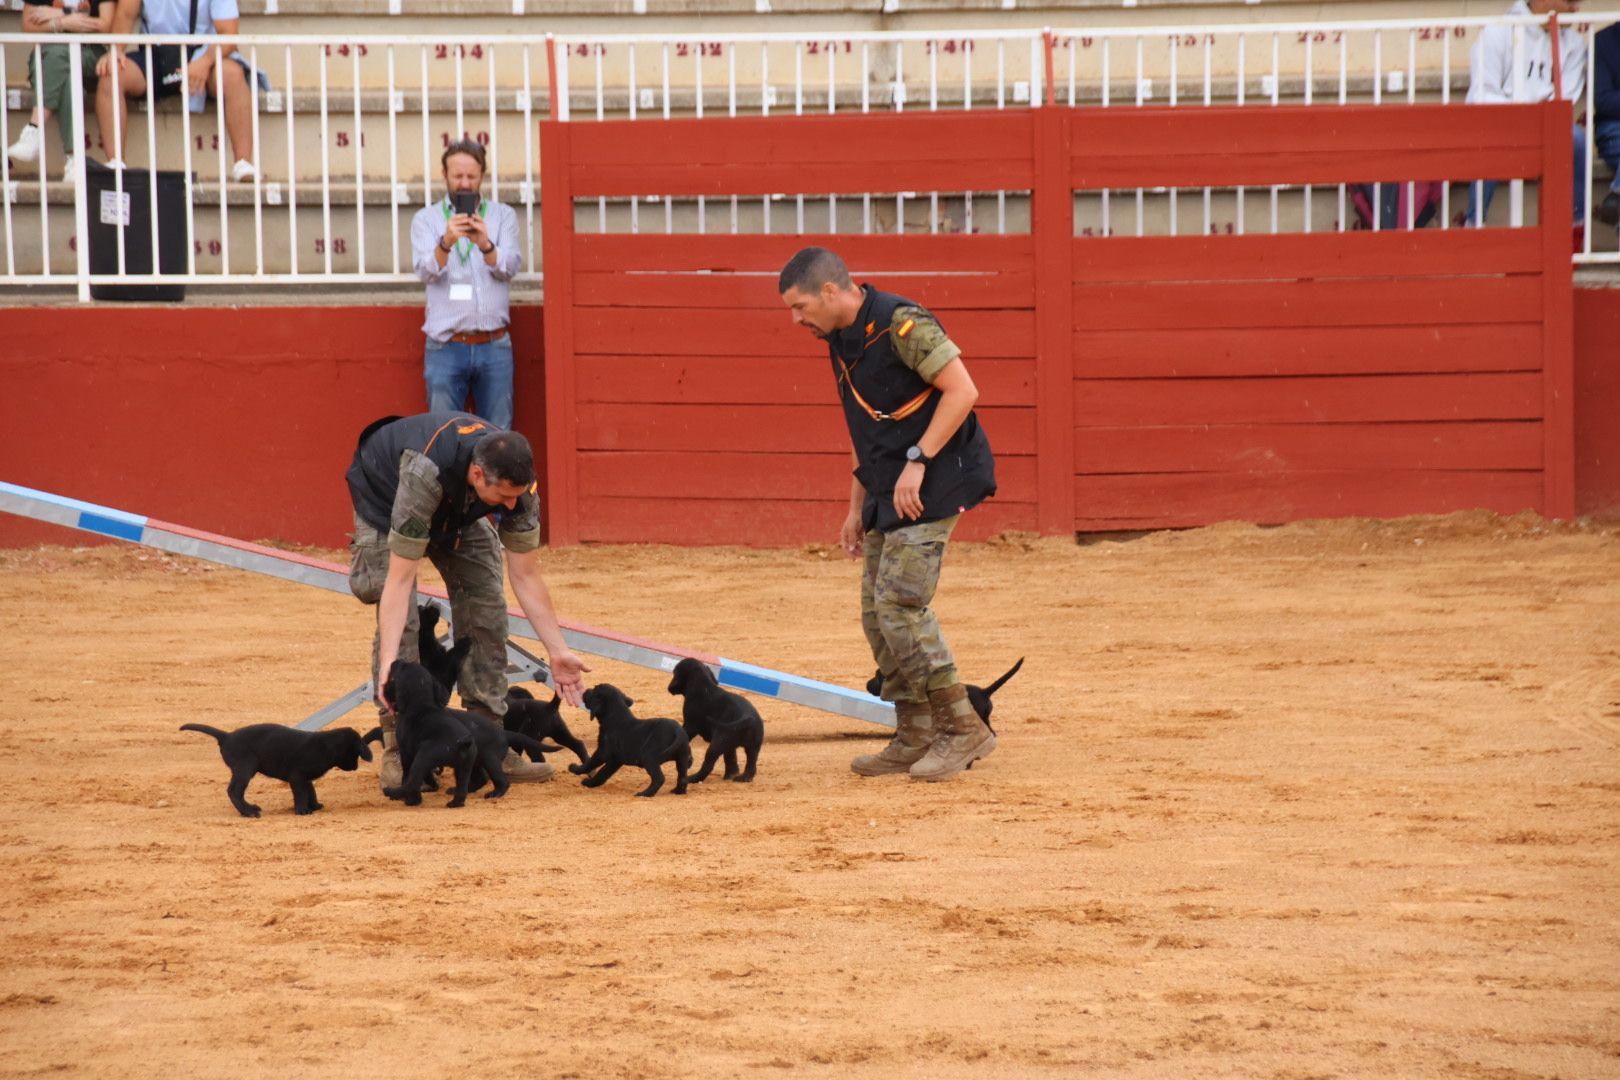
340,245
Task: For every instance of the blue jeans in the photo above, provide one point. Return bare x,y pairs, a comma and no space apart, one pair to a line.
1489,186
1606,137
453,370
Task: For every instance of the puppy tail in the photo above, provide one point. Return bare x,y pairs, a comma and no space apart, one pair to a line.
516,740
993,687
206,730
375,735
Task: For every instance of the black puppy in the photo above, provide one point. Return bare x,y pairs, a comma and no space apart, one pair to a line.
625,740
725,720
978,697
284,753
493,742
429,735
442,663
540,720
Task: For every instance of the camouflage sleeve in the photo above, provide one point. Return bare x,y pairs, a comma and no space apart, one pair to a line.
920,341
415,501
520,530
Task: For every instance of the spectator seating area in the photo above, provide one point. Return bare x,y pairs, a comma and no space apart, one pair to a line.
335,182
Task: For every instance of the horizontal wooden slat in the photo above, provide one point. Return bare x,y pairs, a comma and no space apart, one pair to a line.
869,257
1298,145
1408,253
810,144
1306,447
747,521
759,380
1391,302
759,428
1323,399
730,332
981,174
1178,500
740,475
1274,350
758,289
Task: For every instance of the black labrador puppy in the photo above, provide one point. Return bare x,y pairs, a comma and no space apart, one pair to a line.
444,664
493,742
429,735
625,740
978,697
727,721
541,720
283,753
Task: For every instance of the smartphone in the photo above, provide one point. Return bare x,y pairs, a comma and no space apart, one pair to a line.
464,202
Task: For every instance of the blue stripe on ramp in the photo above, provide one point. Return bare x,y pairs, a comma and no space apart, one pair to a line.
742,680
123,528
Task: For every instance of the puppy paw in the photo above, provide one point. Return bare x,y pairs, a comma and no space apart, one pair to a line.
249,811
745,778
678,791
578,770
645,794
303,811
455,803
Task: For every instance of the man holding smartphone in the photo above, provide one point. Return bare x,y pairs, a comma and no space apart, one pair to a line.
466,250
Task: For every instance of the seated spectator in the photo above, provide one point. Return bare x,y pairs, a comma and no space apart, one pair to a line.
1491,82
52,93
1606,115
180,17
466,255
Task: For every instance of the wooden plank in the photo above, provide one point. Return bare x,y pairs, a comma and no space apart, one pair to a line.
869,257
1274,350
561,511
732,332
1413,301
755,289
1180,500
1558,308
747,522
828,178
759,428
1307,447
759,380
1307,400
1284,130
1052,207
1392,252
809,144
1263,166
726,474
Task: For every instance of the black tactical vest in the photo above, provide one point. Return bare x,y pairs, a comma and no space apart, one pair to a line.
447,439
963,472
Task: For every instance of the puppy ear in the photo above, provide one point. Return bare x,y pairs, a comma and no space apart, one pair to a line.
362,749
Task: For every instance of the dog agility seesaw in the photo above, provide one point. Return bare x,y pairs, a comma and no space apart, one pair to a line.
241,555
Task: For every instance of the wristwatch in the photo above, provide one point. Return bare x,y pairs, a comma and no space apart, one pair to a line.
915,453
486,251
451,248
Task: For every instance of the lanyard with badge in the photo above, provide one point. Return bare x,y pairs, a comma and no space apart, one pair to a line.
463,250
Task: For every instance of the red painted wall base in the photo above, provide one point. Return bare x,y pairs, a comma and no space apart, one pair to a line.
238,421
241,420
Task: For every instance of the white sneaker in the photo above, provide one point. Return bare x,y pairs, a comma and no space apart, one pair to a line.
70,169
27,146
243,170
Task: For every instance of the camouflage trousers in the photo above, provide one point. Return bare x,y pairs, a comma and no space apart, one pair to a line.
901,574
473,575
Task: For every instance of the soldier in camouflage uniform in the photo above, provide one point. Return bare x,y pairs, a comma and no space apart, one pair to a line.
921,461
455,489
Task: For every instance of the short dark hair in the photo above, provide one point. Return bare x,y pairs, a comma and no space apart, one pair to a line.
474,150
506,458
812,268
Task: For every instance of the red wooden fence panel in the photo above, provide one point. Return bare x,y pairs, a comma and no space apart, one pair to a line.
1125,383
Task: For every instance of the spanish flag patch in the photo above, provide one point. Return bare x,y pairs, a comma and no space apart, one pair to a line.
905,328
468,429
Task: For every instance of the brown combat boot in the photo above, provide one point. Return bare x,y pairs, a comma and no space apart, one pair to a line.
913,731
963,738
390,771
518,769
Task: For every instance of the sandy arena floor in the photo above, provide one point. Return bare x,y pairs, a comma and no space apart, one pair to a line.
1333,800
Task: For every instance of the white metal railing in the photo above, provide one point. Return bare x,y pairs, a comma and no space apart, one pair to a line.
345,217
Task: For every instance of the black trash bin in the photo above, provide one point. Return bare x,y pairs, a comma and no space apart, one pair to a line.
136,213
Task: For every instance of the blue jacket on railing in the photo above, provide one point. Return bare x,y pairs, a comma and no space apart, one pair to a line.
1606,74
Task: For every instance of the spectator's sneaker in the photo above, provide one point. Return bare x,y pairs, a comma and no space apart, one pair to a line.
27,146
1608,210
70,169
243,170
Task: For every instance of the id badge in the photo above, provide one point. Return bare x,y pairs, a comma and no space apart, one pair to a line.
462,291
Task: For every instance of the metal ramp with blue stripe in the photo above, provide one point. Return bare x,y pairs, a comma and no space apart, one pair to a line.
289,566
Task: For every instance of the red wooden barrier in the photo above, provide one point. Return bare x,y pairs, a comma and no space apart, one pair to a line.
1126,382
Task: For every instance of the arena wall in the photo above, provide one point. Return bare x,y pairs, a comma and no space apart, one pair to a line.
240,420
